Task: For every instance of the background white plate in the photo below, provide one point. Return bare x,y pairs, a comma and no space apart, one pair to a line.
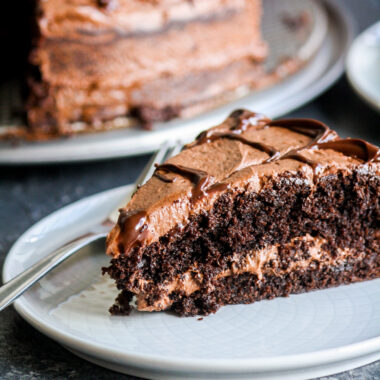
299,337
318,74
363,65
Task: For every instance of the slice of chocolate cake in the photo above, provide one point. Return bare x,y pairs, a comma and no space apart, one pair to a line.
253,209
99,63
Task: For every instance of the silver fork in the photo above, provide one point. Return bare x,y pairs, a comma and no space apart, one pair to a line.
14,288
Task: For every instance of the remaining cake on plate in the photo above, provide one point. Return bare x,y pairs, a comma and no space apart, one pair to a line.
97,63
253,209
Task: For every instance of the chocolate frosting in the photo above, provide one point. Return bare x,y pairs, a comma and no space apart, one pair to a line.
91,17
83,44
354,147
199,177
234,155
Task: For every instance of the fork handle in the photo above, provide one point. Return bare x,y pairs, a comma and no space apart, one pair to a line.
22,282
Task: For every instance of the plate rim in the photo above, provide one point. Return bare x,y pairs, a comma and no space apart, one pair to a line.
351,71
157,362
346,28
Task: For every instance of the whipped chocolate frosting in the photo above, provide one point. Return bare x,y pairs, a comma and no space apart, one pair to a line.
240,154
95,17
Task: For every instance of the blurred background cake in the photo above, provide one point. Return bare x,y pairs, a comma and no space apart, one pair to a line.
98,63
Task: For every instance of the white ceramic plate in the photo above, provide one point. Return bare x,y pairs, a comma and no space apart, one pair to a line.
363,65
299,337
319,73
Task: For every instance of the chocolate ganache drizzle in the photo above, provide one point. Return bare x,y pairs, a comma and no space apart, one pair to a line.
318,132
198,177
134,227
355,148
235,136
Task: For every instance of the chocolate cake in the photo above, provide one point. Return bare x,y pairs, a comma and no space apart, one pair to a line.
97,64
253,209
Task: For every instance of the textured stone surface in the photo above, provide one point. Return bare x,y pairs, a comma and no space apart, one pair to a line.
29,194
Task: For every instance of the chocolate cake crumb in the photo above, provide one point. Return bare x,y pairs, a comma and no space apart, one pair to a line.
122,304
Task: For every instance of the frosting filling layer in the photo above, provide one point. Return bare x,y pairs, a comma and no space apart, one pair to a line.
266,261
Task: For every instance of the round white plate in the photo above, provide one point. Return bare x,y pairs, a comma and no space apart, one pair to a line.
363,65
298,337
318,74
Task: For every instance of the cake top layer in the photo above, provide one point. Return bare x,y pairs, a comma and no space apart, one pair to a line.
240,154
81,17
83,44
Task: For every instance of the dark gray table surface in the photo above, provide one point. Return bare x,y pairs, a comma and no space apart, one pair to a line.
29,193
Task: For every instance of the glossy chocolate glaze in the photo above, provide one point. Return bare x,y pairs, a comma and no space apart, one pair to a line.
162,177
355,148
198,177
318,131
238,122
133,227
235,136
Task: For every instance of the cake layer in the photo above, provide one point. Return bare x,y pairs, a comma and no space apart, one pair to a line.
81,18
275,260
251,196
244,288
118,60
65,110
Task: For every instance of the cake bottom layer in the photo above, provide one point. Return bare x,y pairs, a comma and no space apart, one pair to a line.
248,288
54,110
